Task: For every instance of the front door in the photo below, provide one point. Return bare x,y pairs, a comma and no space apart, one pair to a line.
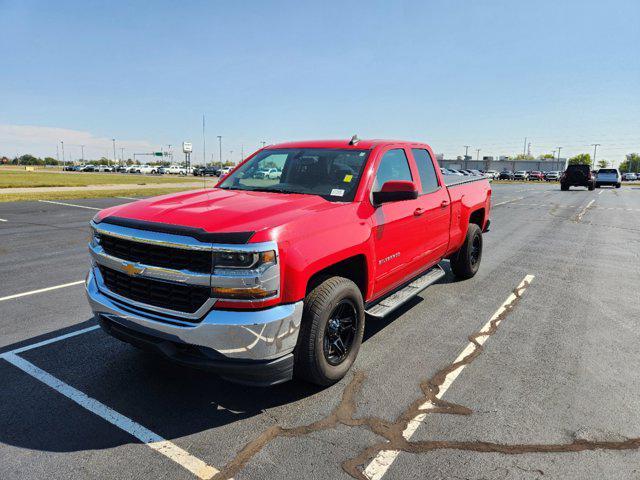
396,228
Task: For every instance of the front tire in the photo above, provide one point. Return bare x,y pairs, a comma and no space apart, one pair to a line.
564,187
618,185
331,332
591,187
466,261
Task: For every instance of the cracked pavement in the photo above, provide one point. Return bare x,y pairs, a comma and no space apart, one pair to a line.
552,394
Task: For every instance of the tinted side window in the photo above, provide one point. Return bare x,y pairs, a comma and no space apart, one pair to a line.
425,169
393,166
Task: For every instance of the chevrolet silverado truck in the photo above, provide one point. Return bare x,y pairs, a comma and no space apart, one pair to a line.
261,280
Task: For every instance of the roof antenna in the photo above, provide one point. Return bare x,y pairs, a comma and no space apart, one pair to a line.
354,140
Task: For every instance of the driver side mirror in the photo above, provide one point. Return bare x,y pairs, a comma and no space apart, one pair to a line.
395,191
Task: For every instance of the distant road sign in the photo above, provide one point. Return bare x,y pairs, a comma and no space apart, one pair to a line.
187,147
158,154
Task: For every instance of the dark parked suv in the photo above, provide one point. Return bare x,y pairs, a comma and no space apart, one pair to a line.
577,176
506,175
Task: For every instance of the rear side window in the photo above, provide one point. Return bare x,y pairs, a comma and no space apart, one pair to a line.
393,166
426,170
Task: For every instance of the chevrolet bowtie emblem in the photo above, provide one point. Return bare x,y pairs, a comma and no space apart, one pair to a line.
132,269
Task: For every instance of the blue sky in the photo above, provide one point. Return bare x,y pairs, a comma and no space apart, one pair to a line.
452,73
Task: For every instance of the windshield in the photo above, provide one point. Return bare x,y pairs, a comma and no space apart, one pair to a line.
608,170
331,173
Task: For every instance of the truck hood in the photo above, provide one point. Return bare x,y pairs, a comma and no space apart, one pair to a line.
223,211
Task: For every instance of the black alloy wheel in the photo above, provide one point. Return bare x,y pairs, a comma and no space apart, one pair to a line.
340,331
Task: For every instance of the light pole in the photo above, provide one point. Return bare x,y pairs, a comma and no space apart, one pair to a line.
82,154
559,148
595,148
62,143
115,160
466,153
121,154
231,156
477,154
220,147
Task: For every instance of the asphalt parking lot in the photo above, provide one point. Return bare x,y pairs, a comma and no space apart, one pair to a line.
528,370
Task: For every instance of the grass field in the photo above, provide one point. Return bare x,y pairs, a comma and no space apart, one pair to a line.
23,197
10,179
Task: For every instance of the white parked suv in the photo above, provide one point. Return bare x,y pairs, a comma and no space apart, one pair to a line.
608,176
522,175
175,170
147,169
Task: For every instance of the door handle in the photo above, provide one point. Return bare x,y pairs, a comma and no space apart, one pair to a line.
418,211
444,204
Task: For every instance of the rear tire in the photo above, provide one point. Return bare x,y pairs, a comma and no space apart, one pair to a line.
591,187
564,187
618,185
466,261
331,332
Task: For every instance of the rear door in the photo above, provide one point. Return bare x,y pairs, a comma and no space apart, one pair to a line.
395,227
433,212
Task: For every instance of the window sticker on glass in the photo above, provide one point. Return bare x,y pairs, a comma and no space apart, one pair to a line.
337,192
347,178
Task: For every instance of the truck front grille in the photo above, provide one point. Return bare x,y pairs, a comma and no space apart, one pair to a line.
173,296
199,261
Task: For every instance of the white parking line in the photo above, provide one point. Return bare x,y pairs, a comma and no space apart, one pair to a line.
600,192
381,463
129,198
52,340
584,210
146,436
508,201
42,290
2,220
70,205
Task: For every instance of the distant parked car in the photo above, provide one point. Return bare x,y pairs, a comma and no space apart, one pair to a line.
629,176
608,176
552,176
208,171
521,175
175,170
493,174
453,171
148,169
68,168
537,176
506,175
577,176
89,168
270,173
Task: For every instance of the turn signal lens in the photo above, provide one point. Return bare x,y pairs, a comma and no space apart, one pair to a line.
254,293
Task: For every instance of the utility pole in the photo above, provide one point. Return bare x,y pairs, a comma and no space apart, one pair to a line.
204,145
466,153
82,150
595,148
477,154
231,156
121,154
220,147
559,148
524,150
115,160
57,153
62,143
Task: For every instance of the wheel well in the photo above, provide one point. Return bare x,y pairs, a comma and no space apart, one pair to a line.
477,217
354,268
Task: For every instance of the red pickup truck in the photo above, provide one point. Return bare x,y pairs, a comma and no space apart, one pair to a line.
264,278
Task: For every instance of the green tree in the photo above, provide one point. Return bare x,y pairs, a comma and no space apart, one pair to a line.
580,159
631,164
521,156
51,161
603,163
28,159
547,156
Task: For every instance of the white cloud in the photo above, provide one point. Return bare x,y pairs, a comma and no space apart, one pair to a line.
42,141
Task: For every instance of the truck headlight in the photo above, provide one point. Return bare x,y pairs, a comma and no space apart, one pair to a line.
245,276
243,260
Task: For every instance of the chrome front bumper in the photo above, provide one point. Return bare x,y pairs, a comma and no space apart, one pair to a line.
232,336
